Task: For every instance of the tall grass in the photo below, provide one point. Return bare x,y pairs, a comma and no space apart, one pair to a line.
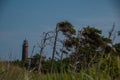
109,70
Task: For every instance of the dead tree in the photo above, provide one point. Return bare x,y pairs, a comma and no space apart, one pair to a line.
67,29
29,64
111,31
46,36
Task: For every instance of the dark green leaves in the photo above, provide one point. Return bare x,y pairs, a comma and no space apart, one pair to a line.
66,27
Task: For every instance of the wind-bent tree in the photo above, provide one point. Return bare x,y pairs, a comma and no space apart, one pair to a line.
67,29
87,46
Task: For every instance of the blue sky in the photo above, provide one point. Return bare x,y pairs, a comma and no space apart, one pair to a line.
20,19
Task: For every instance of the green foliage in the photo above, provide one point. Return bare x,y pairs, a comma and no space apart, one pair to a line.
117,48
36,56
67,28
110,65
88,47
109,70
91,57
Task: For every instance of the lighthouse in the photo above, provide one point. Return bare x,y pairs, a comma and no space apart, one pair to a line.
25,51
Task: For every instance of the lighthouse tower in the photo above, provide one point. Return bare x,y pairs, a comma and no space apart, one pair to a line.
25,50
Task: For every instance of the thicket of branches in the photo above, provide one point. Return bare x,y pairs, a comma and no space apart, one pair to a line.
74,50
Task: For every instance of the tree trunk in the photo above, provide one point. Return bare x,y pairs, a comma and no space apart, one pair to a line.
61,66
41,51
54,50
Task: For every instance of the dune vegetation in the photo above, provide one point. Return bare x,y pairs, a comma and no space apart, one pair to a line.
83,54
